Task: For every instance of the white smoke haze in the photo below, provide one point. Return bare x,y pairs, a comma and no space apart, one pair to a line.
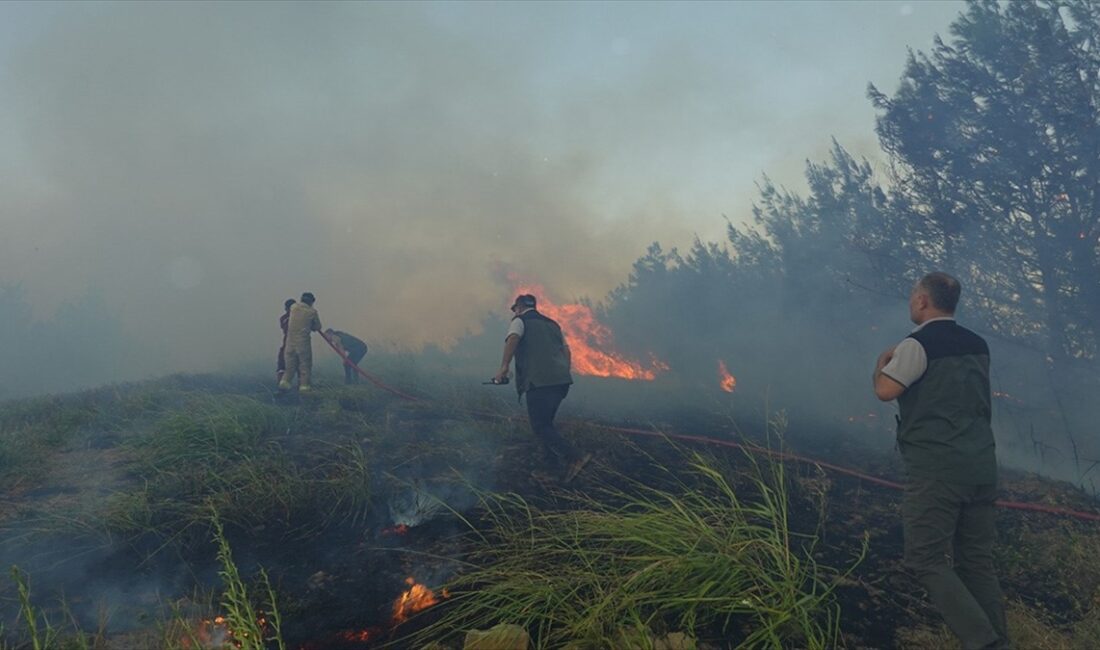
170,173
192,165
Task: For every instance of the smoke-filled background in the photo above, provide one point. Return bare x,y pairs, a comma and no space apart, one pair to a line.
172,172
748,188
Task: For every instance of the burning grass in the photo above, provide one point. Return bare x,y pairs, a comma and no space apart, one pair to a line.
611,569
251,627
242,622
591,342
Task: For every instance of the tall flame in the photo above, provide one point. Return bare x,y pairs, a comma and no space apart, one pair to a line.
415,599
591,343
725,380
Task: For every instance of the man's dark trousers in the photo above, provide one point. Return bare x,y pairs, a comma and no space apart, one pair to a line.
949,534
350,375
542,406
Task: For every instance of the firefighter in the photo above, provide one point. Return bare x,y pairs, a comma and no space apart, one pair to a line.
302,322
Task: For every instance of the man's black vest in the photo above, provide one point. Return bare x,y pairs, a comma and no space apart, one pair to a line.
540,357
944,431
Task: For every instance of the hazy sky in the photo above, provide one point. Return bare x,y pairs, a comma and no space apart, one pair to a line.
195,164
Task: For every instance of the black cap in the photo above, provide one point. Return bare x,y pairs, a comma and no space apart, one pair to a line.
524,300
308,298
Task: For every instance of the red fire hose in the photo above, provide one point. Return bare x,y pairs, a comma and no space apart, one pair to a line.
782,455
363,373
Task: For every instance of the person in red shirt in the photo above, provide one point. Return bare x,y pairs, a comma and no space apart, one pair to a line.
284,320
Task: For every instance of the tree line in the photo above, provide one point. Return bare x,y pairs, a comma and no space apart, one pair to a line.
991,144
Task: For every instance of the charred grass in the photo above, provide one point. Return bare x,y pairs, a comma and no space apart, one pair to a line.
653,539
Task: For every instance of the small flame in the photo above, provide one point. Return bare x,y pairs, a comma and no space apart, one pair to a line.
591,343
415,599
399,529
211,634
725,380
356,635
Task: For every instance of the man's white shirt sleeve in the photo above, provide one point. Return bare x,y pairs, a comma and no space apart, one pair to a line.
516,327
908,364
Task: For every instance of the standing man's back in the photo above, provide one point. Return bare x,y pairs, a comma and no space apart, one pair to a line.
944,430
939,375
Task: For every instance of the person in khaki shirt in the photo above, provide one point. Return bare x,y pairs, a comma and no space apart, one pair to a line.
303,321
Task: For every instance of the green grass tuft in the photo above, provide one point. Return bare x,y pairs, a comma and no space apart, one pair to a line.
700,557
252,628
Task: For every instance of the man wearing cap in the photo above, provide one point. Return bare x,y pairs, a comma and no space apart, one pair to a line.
352,349
542,374
939,375
299,354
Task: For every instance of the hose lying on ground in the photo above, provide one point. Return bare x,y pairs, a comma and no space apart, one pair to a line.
782,455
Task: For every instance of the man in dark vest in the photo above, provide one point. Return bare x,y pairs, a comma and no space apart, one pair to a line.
542,374
939,375
350,347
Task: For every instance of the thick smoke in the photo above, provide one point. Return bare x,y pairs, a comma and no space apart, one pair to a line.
193,165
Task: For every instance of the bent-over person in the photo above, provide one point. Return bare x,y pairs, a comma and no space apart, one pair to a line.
350,347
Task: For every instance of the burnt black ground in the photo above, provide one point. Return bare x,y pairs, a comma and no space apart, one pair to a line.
338,582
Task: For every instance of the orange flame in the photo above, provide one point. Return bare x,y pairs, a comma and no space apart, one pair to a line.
591,343
356,635
212,633
399,529
725,380
415,599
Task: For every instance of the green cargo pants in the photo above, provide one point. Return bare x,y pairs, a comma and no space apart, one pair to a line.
949,533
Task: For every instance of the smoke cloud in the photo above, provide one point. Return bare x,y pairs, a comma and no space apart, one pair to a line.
193,165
